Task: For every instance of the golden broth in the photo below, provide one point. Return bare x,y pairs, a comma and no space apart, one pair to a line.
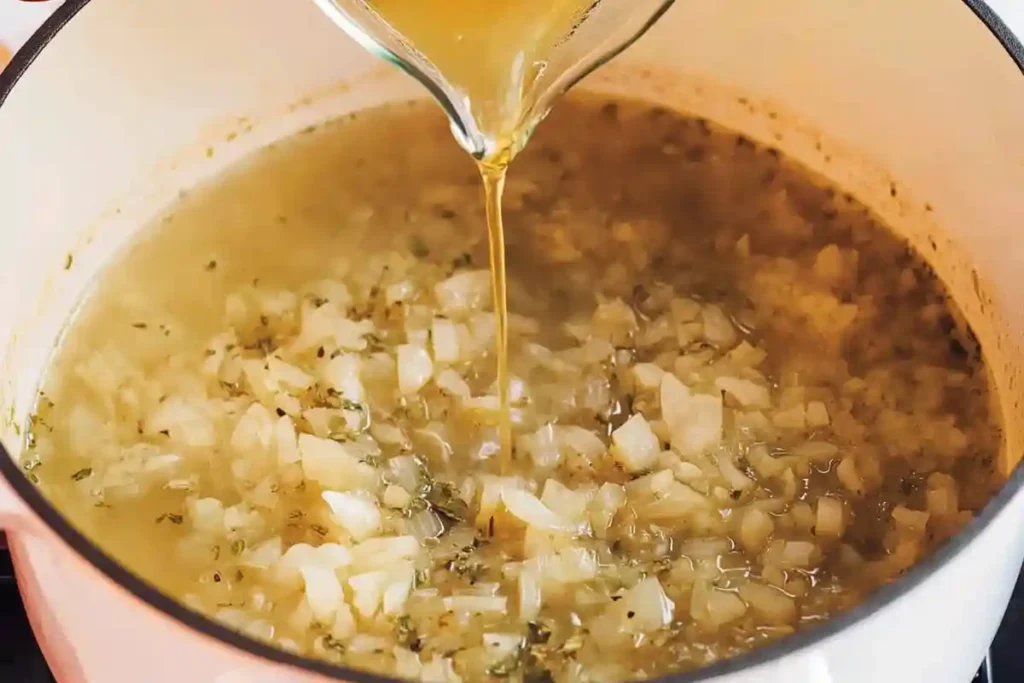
492,51
820,416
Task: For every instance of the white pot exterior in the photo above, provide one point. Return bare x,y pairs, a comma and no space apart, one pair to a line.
922,111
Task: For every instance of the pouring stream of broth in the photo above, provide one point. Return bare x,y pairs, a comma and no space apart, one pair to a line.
496,67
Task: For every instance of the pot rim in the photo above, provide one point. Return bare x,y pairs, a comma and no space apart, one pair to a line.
785,647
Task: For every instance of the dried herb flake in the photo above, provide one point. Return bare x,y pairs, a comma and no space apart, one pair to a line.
82,474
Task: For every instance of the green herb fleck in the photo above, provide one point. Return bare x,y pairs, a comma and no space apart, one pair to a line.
264,344
573,644
170,517
509,664
361,408
352,405
68,261
466,567
445,500
237,547
421,578
35,422
374,343
418,247
661,565
329,643
82,474
320,529
415,505
406,634
537,633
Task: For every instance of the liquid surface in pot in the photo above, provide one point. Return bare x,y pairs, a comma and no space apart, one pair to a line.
739,403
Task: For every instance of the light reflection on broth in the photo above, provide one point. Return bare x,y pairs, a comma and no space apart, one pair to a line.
756,403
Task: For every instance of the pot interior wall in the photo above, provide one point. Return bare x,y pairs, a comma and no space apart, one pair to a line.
927,138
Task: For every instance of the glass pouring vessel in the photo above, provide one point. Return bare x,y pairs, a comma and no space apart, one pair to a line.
559,43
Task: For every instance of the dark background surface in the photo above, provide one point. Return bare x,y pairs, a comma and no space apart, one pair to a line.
22,662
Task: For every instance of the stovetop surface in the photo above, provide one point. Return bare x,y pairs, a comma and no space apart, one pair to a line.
22,662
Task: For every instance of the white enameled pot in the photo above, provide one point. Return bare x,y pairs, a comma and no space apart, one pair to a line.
916,107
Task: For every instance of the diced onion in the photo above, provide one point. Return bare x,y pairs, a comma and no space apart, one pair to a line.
463,292
694,420
636,446
341,373
829,518
800,554
475,604
414,368
356,512
724,607
501,645
264,555
527,507
583,441
771,604
530,596
445,338
424,525
648,375
404,471
449,381
650,606
367,591
755,529
323,591
749,394
386,551
911,519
